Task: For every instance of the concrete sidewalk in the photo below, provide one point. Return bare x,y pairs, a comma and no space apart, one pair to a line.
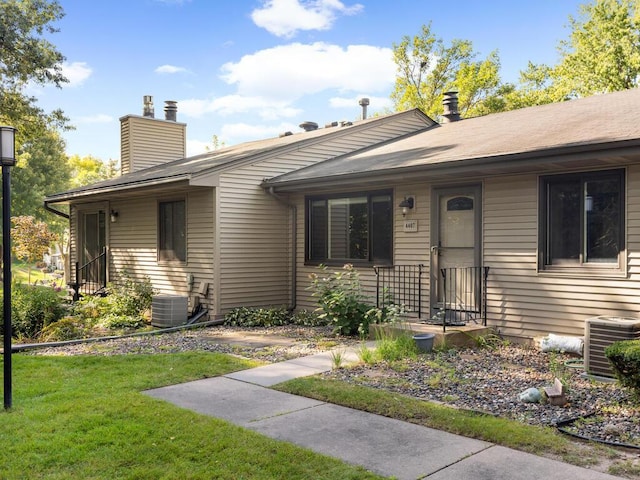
382,445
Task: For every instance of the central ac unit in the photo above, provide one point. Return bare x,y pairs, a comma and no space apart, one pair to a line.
168,311
600,332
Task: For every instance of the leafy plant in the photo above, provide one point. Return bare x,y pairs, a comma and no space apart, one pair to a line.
67,328
341,301
257,317
624,357
129,296
307,318
33,308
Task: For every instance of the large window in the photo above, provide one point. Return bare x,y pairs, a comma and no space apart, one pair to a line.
355,228
172,245
583,220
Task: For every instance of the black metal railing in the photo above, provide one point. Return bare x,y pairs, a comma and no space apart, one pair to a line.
91,278
400,285
462,296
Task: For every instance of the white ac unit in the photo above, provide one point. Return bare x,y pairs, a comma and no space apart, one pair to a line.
600,332
168,311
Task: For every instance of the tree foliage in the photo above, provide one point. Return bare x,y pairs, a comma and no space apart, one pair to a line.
603,52
427,68
30,238
601,55
89,169
27,57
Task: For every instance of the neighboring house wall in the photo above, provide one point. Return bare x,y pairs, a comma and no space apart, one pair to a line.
133,243
522,301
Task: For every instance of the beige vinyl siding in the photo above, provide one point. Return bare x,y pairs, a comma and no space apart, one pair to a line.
133,244
525,302
410,248
255,229
254,241
146,142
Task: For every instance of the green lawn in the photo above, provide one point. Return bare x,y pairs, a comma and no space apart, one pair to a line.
509,433
85,417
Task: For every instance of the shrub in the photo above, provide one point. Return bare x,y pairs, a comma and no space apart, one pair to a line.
122,322
257,317
130,297
67,328
308,319
624,357
33,308
341,301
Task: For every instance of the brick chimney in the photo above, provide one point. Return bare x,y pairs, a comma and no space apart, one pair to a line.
450,103
146,141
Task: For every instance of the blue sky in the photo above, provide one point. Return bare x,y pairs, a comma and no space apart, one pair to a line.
250,69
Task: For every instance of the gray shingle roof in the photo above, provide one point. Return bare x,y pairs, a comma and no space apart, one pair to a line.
588,123
187,168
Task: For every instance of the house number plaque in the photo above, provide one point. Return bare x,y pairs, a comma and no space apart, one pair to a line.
411,225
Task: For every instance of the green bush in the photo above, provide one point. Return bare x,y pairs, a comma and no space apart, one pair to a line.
257,317
33,308
308,319
122,308
341,301
130,297
624,357
122,322
67,328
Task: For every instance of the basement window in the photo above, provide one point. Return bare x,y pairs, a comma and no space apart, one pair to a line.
172,245
582,221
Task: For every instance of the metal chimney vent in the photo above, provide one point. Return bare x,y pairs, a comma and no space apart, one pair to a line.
170,110
147,106
450,103
363,103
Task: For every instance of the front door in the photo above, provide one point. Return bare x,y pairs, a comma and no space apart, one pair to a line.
455,248
93,242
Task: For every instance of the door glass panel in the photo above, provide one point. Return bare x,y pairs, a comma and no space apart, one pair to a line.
456,248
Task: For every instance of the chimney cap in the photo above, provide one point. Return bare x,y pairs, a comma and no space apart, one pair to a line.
147,106
450,104
309,126
363,101
170,110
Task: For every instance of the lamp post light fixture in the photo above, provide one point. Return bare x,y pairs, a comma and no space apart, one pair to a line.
7,160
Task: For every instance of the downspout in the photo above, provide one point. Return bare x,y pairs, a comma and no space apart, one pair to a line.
294,249
54,211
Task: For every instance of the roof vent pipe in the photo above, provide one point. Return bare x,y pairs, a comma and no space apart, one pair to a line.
147,106
450,103
170,110
363,103
309,126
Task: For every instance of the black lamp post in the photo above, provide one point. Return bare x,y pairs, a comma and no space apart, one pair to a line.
7,160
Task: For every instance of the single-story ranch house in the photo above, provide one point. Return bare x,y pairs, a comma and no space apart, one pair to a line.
528,218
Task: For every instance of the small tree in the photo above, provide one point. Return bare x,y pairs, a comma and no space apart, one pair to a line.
31,239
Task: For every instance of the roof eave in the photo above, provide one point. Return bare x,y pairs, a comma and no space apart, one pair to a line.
66,197
512,161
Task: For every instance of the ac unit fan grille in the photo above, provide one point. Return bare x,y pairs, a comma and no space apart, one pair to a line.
599,334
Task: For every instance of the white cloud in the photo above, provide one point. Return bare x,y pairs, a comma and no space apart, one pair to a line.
76,72
288,72
375,103
244,131
170,69
284,18
196,147
233,104
99,118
